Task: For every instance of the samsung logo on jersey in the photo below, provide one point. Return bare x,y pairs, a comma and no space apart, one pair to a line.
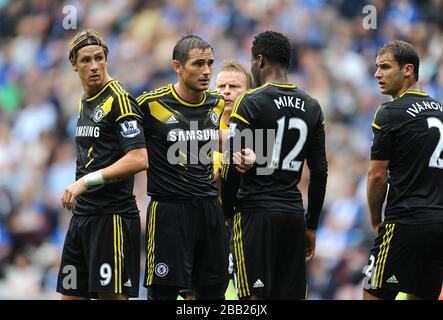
87,131
290,102
191,135
416,108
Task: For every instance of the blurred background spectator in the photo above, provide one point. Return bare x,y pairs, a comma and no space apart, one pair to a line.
333,61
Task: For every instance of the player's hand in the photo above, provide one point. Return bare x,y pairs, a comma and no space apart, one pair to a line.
71,192
310,244
376,226
230,223
244,160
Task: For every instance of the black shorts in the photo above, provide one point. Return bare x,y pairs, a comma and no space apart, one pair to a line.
406,258
186,244
269,250
101,254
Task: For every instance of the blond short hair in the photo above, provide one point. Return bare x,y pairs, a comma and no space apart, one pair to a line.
232,65
85,38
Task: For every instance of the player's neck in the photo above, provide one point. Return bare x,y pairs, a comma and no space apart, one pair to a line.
276,76
187,94
407,86
225,118
91,91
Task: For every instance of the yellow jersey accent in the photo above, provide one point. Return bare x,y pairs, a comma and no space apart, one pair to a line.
235,115
121,100
375,116
382,255
80,106
218,156
215,92
125,97
283,85
153,94
258,88
243,287
385,256
159,112
237,103
419,93
188,104
101,91
107,105
218,109
89,162
151,243
375,126
118,253
128,114
223,125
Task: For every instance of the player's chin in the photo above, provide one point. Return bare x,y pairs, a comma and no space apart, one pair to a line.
203,85
384,90
95,81
228,107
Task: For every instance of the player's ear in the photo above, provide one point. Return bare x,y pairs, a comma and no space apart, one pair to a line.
261,61
409,70
177,66
74,66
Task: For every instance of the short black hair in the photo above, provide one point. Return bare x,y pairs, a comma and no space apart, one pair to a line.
403,53
274,46
186,44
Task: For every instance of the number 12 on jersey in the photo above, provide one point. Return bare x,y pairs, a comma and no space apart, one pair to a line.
289,163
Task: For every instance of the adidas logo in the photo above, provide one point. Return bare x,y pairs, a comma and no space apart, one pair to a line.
171,120
258,284
392,279
128,283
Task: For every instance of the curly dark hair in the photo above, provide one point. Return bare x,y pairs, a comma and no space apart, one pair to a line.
274,46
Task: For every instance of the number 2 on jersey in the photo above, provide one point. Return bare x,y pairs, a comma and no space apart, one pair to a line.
288,162
435,161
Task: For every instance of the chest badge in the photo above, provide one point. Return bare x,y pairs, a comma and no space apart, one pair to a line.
98,114
214,118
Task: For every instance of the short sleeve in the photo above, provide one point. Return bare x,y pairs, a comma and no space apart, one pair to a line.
243,114
382,135
129,125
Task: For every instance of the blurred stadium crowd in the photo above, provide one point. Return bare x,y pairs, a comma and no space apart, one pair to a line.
333,61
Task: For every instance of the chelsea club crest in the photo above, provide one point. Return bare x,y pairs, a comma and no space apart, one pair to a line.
214,118
98,114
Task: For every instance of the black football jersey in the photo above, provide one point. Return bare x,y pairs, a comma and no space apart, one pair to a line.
180,138
408,132
287,126
108,126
